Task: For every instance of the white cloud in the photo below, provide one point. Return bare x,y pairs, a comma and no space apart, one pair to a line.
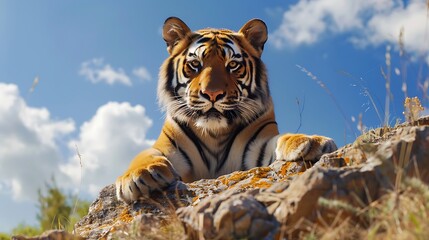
96,71
30,146
367,22
29,149
33,149
386,27
142,73
107,143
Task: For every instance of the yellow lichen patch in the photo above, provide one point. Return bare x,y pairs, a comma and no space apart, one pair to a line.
285,168
247,179
125,216
257,183
223,180
238,176
291,168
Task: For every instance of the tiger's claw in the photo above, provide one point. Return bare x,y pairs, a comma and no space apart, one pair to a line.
142,180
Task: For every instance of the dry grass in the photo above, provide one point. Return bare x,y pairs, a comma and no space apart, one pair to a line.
398,215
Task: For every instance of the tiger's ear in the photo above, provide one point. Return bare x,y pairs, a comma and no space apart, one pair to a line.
256,33
173,31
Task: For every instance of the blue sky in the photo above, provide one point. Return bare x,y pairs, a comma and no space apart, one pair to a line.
96,65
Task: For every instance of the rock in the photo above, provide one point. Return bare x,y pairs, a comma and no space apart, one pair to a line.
404,153
106,211
281,200
298,200
107,214
228,215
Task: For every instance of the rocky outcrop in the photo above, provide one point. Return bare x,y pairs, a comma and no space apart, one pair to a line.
272,202
109,216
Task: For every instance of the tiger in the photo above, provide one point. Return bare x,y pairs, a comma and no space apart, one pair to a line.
219,117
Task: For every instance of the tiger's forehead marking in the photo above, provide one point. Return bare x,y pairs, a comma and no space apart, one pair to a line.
216,39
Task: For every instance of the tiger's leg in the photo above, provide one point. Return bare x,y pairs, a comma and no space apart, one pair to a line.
301,147
148,171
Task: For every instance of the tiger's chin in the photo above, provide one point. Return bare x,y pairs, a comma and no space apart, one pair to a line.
212,125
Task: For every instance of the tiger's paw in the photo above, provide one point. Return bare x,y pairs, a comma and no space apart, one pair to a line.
300,147
140,180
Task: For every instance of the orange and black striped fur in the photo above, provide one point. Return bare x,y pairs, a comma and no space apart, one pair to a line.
219,112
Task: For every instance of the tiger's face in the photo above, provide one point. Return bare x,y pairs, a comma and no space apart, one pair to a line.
214,78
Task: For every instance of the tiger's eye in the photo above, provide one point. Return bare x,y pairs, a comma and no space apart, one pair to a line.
233,65
195,63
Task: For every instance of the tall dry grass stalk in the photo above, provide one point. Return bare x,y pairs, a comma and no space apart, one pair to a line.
301,106
76,201
330,94
404,62
364,90
387,77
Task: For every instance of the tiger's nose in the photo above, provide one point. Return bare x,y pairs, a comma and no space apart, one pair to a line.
213,96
